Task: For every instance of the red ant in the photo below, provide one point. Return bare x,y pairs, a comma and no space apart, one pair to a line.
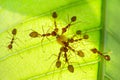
94,50
78,32
14,32
106,57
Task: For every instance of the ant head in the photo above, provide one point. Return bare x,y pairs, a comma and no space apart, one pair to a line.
73,19
54,15
14,31
94,50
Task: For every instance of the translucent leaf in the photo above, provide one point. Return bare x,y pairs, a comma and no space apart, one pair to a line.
35,58
112,40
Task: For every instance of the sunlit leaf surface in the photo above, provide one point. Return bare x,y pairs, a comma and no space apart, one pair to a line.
112,40
35,58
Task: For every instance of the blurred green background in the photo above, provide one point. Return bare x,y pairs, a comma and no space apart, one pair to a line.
112,39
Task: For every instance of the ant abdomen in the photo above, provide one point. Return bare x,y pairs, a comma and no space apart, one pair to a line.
71,68
80,53
78,32
10,46
85,36
58,64
107,57
54,15
73,19
34,34
94,50
14,31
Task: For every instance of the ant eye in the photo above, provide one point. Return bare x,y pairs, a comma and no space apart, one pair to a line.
54,15
73,19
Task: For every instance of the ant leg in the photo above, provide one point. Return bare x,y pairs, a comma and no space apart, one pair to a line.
71,49
47,34
9,34
54,15
70,67
43,35
42,44
73,19
58,63
42,39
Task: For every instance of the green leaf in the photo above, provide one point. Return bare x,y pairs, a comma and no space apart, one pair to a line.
35,58
112,39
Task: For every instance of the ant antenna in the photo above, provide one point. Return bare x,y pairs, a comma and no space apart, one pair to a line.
73,19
